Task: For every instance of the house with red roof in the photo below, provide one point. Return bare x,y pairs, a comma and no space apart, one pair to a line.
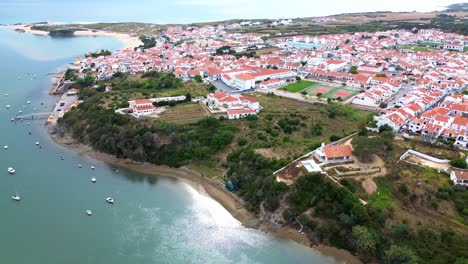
235,105
142,107
459,177
272,83
333,153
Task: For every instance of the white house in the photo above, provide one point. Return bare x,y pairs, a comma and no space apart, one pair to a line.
272,84
142,107
333,154
459,177
235,106
367,99
457,47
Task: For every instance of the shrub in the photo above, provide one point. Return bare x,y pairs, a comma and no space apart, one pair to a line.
242,142
334,138
459,163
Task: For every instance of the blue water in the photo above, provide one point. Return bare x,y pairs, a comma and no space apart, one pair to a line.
154,220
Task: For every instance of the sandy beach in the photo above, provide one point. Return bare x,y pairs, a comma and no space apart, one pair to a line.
212,189
129,41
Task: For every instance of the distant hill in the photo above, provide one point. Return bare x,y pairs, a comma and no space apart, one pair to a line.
462,7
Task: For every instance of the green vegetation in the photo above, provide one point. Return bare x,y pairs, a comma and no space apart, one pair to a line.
69,75
340,110
126,137
252,175
198,78
384,230
183,114
400,255
298,86
353,70
148,42
365,147
99,53
459,162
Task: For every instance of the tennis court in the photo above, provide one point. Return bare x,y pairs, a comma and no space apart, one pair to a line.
326,91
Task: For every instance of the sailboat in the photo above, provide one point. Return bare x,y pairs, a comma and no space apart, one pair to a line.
16,197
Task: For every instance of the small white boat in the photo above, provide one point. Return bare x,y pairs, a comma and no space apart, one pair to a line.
80,166
110,200
93,180
92,167
7,106
116,171
20,112
6,95
37,143
5,147
89,212
12,119
28,102
11,170
16,197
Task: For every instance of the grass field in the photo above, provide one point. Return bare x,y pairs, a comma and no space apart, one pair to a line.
331,92
267,134
298,86
184,114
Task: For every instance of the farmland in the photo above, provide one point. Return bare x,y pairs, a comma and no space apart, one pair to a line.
184,114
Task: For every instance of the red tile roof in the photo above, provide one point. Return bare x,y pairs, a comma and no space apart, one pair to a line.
143,101
337,151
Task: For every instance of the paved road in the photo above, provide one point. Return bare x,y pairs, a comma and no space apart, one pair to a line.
58,110
402,92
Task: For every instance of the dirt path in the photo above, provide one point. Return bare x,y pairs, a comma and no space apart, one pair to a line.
369,185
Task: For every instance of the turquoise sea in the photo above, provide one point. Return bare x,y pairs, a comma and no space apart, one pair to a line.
153,220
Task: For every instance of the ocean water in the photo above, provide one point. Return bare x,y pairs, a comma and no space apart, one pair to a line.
153,220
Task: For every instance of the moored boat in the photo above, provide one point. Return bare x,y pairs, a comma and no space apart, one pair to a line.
16,197
110,200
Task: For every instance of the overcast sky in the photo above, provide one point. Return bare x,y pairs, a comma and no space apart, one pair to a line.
185,11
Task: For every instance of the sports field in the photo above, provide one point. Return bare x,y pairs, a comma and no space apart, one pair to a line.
326,91
298,86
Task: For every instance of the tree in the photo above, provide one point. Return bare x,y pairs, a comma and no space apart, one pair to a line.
69,75
365,147
188,97
198,78
353,70
347,41
459,162
364,240
399,255
383,105
319,95
88,80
